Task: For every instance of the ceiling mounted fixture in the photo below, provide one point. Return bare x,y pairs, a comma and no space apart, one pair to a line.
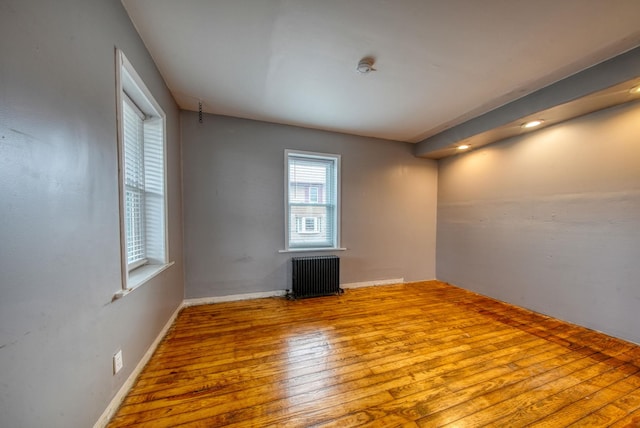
365,65
532,124
635,90
463,147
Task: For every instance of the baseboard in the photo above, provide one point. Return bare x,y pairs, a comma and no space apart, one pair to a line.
373,283
233,298
279,293
111,409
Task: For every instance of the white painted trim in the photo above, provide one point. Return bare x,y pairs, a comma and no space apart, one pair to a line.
145,273
113,406
141,276
373,283
310,250
233,298
124,272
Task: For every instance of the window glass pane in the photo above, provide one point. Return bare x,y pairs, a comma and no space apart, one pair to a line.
134,226
134,183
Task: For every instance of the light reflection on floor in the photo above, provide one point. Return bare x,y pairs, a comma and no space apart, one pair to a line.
302,346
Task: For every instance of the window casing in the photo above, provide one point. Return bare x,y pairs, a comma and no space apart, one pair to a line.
312,195
141,147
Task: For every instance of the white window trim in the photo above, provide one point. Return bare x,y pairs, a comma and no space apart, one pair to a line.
337,225
134,276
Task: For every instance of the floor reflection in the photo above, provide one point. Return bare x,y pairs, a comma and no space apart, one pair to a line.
308,356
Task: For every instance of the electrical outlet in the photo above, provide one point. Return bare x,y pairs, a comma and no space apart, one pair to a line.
117,361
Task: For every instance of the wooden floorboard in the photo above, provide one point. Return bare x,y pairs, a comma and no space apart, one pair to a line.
423,354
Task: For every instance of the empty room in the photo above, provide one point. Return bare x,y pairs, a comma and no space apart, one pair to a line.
319,213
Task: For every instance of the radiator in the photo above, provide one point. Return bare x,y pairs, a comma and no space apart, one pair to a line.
315,276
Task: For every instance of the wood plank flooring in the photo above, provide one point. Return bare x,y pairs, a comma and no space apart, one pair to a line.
411,355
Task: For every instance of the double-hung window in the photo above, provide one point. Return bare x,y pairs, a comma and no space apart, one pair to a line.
141,148
312,185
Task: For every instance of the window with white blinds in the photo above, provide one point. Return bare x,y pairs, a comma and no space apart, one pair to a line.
133,133
142,166
312,198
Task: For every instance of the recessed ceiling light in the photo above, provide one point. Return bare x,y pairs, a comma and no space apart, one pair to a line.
532,124
463,147
635,90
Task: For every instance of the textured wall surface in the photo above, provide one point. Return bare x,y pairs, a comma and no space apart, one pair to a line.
234,206
59,230
550,221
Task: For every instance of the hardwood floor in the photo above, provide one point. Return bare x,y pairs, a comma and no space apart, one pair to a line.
412,355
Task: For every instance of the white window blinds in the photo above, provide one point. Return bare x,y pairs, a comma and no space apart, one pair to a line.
312,200
134,182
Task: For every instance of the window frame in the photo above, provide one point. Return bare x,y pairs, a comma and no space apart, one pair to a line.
336,158
131,89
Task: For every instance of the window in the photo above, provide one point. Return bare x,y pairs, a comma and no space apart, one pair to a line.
141,145
312,198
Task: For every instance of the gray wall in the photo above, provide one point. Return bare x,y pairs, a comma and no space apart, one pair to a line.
59,233
234,207
550,221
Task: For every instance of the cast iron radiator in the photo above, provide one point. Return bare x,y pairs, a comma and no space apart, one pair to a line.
315,276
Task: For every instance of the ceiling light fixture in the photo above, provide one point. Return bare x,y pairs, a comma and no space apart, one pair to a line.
635,90
365,65
463,147
532,124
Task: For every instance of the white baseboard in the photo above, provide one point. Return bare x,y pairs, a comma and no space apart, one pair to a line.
111,409
279,293
233,298
373,283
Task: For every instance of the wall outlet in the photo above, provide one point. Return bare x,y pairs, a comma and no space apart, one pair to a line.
117,362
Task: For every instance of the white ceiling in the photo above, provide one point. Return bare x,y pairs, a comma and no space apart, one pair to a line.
439,62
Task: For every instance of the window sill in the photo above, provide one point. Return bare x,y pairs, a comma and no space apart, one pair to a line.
141,275
310,250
